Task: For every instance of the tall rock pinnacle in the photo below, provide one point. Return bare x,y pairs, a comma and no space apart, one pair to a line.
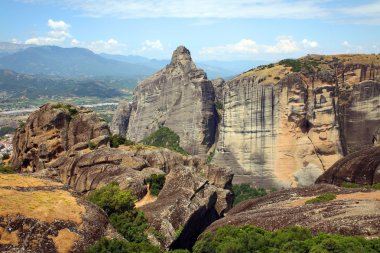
179,97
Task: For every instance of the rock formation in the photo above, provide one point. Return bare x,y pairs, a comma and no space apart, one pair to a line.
49,131
283,127
120,119
194,195
353,212
39,215
179,97
361,167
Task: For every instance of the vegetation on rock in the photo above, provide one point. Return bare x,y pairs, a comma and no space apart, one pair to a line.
219,105
353,185
71,109
166,138
156,183
245,191
246,239
117,140
6,130
322,198
6,170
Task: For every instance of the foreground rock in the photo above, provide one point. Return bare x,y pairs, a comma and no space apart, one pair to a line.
194,195
353,212
362,167
49,131
38,215
179,97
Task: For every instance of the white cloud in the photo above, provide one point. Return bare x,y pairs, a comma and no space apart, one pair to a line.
244,46
151,45
57,35
350,48
110,46
309,43
284,45
58,25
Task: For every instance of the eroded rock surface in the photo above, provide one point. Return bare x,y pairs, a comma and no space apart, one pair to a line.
179,97
282,128
194,195
51,130
353,212
38,215
361,167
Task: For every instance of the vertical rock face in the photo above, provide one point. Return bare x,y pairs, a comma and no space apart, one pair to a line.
54,128
179,97
286,131
120,120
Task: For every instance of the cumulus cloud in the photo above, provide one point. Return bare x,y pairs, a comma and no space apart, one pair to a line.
284,45
150,45
309,43
351,48
244,46
110,46
57,35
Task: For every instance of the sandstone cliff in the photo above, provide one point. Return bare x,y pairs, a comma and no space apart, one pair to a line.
353,212
51,130
39,215
179,97
284,124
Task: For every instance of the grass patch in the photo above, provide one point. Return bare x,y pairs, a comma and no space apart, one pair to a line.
166,138
219,105
322,198
178,232
6,169
245,191
69,108
367,186
156,183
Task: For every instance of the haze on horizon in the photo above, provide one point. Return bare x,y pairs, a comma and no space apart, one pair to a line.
213,30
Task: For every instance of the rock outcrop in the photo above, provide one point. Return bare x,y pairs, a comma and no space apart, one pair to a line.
284,128
38,215
51,130
179,97
120,119
361,167
194,195
353,212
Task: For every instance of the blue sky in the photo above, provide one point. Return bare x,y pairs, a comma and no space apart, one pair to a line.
211,29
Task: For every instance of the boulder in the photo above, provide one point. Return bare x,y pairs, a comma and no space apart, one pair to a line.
361,167
353,212
39,215
51,130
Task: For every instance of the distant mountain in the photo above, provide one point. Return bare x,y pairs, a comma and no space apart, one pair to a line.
16,85
9,48
70,62
136,59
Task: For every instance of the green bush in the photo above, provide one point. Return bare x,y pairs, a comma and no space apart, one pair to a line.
7,130
117,140
119,246
289,240
91,145
71,109
322,198
219,105
166,138
6,156
245,191
210,156
113,200
6,170
156,183
296,65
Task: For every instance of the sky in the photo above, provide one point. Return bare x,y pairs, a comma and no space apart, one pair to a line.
211,29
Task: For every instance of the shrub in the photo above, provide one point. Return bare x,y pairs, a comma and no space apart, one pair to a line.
156,183
91,145
166,138
296,65
322,198
120,246
6,170
293,239
277,78
113,200
178,232
71,109
245,191
5,156
219,105
7,130
117,140
210,156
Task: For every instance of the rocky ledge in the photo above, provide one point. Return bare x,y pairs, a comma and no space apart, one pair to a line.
38,215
